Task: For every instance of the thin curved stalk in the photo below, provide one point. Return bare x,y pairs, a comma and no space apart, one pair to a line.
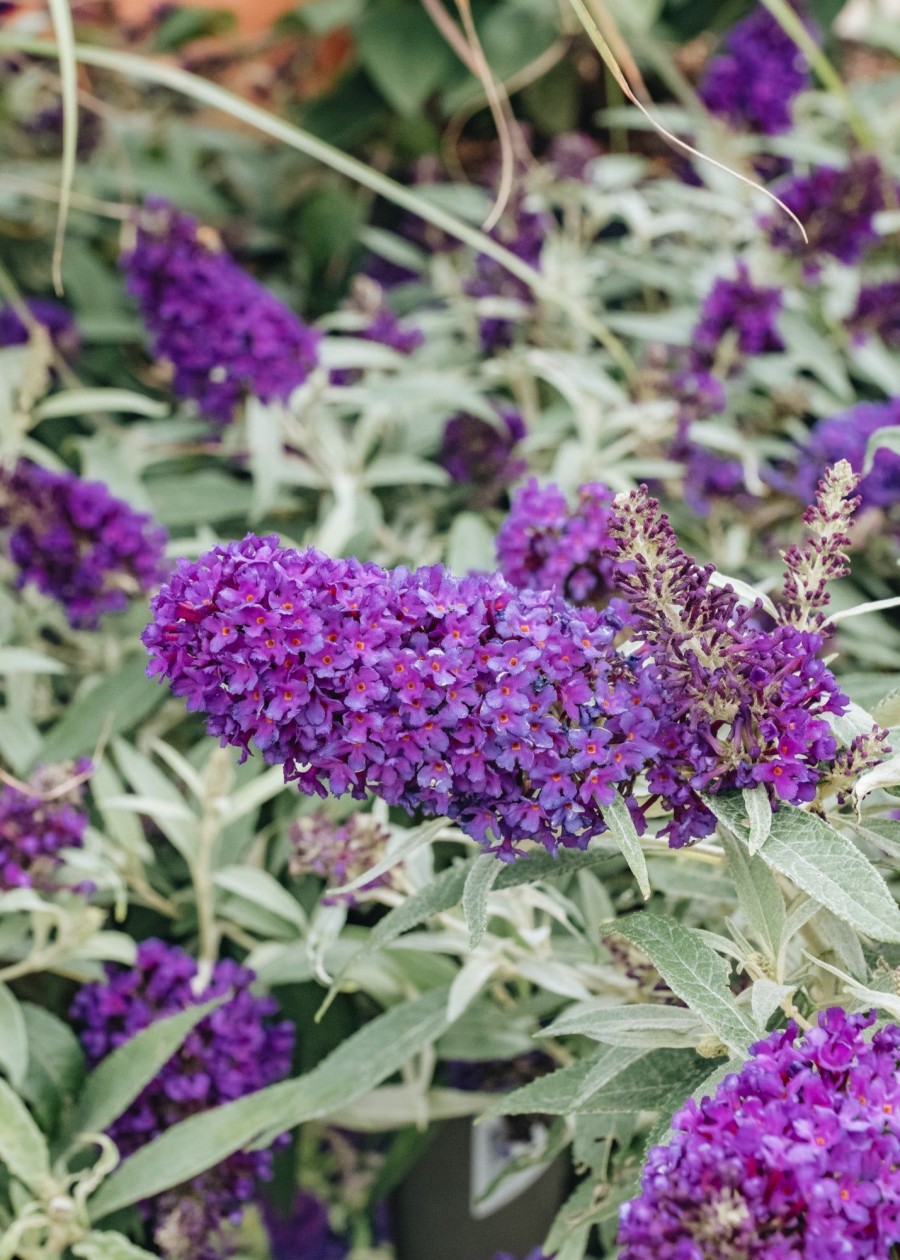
199,89
600,43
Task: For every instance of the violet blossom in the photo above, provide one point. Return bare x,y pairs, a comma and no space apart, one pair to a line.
482,455
742,311
77,543
837,207
222,335
752,83
846,436
339,852
234,1051
510,712
794,1157
39,822
877,313
545,545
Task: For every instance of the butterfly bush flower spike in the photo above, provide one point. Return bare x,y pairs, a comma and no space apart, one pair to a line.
511,712
235,1050
752,83
741,705
794,1157
339,852
221,334
77,543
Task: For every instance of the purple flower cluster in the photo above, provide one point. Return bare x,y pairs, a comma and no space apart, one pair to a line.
509,711
77,543
740,310
753,82
222,335
795,1157
37,824
877,313
482,455
836,206
736,704
56,318
741,705
846,436
339,852
545,545
234,1051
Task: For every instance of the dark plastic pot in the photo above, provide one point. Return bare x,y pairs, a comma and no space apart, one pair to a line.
432,1209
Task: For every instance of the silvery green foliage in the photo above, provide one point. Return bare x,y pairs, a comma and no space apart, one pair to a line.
644,973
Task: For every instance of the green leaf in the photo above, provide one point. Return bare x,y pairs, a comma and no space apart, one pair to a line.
640,1025
116,705
119,1078
828,866
758,893
55,1064
765,998
409,841
357,1066
887,439
556,1093
404,53
13,1038
262,889
480,880
693,971
623,831
17,660
264,446
442,894
22,1145
649,1083
759,812
106,1245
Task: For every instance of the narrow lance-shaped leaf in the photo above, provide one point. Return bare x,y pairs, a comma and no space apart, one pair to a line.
119,1078
824,863
13,1038
694,971
357,1066
22,1146
479,882
759,896
622,829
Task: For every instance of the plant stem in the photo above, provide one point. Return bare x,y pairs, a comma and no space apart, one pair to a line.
198,89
